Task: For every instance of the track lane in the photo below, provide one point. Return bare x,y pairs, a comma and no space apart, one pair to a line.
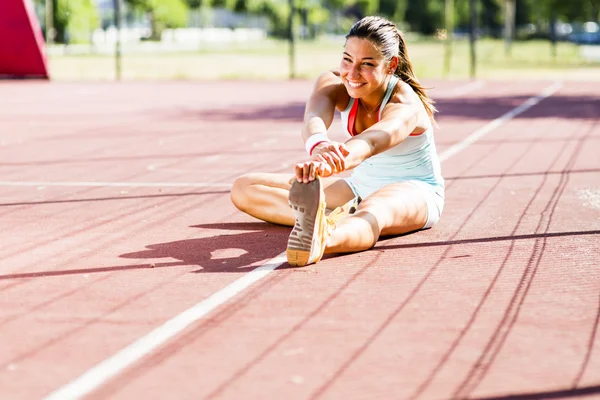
150,237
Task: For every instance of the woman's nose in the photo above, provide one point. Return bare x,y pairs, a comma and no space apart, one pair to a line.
353,72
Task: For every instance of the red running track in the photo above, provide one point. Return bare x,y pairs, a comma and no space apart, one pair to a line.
116,219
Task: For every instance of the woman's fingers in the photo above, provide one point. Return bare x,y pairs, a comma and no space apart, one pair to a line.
328,158
344,150
334,147
339,160
332,161
304,171
325,170
334,155
307,171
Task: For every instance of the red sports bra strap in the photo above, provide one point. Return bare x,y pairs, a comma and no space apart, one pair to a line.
352,118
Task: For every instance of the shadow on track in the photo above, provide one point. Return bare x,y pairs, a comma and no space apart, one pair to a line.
237,250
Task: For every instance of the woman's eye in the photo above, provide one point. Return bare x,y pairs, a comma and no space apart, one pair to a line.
347,59
369,64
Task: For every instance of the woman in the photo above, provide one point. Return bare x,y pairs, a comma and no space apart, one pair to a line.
396,184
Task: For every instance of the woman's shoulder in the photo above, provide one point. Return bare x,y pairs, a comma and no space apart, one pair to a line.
405,95
331,76
331,84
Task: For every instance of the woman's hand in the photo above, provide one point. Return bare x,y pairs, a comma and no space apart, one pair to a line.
308,170
332,153
328,158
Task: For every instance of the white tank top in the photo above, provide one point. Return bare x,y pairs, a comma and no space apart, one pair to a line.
415,158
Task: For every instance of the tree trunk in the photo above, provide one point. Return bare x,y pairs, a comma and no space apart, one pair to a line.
552,33
509,25
117,6
472,36
291,37
155,30
50,32
449,22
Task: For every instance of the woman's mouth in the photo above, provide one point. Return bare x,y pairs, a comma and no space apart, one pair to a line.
355,85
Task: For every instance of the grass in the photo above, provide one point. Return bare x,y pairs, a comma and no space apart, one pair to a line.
269,59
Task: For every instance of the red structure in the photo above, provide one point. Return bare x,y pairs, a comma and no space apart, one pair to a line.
22,46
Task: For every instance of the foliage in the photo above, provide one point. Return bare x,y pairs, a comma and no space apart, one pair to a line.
80,17
73,20
424,16
367,7
572,10
162,13
193,4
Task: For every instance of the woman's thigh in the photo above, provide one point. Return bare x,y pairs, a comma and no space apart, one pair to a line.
398,208
337,191
279,181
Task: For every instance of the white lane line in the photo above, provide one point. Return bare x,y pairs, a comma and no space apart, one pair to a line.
98,375
481,132
117,184
110,367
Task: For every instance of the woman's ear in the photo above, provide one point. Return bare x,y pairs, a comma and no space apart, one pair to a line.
393,64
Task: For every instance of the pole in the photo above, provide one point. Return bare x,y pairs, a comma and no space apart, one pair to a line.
553,33
509,25
117,6
472,36
292,41
49,22
449,22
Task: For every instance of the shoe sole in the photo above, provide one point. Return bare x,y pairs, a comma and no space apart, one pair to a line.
305,201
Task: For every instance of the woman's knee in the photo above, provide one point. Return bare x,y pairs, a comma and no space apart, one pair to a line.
374,225
240,191
250,187
380,213
399,209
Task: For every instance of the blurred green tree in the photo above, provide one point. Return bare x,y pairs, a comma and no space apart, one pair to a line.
74,20
193,4
162,14
425,16
367,7
568,11
81,19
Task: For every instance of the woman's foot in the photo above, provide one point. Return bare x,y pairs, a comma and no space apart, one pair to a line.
306,243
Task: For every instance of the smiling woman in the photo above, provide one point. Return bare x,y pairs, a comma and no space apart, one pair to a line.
396,184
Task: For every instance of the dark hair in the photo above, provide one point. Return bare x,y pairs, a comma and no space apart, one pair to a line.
389,40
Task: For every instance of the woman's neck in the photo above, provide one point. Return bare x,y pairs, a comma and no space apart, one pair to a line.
374,100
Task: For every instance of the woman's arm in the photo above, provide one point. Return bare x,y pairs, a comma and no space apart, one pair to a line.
326,157
398,121
321,105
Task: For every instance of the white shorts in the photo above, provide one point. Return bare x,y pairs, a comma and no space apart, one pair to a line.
434,196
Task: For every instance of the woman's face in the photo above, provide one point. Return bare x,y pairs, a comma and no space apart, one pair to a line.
363,68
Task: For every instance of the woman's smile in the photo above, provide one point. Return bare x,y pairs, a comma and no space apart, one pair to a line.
355,85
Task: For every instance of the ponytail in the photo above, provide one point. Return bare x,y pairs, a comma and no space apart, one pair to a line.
404,71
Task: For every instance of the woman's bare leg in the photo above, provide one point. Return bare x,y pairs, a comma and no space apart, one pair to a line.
265,196
393,210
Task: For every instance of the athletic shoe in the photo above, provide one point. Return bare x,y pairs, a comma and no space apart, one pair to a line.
306,243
